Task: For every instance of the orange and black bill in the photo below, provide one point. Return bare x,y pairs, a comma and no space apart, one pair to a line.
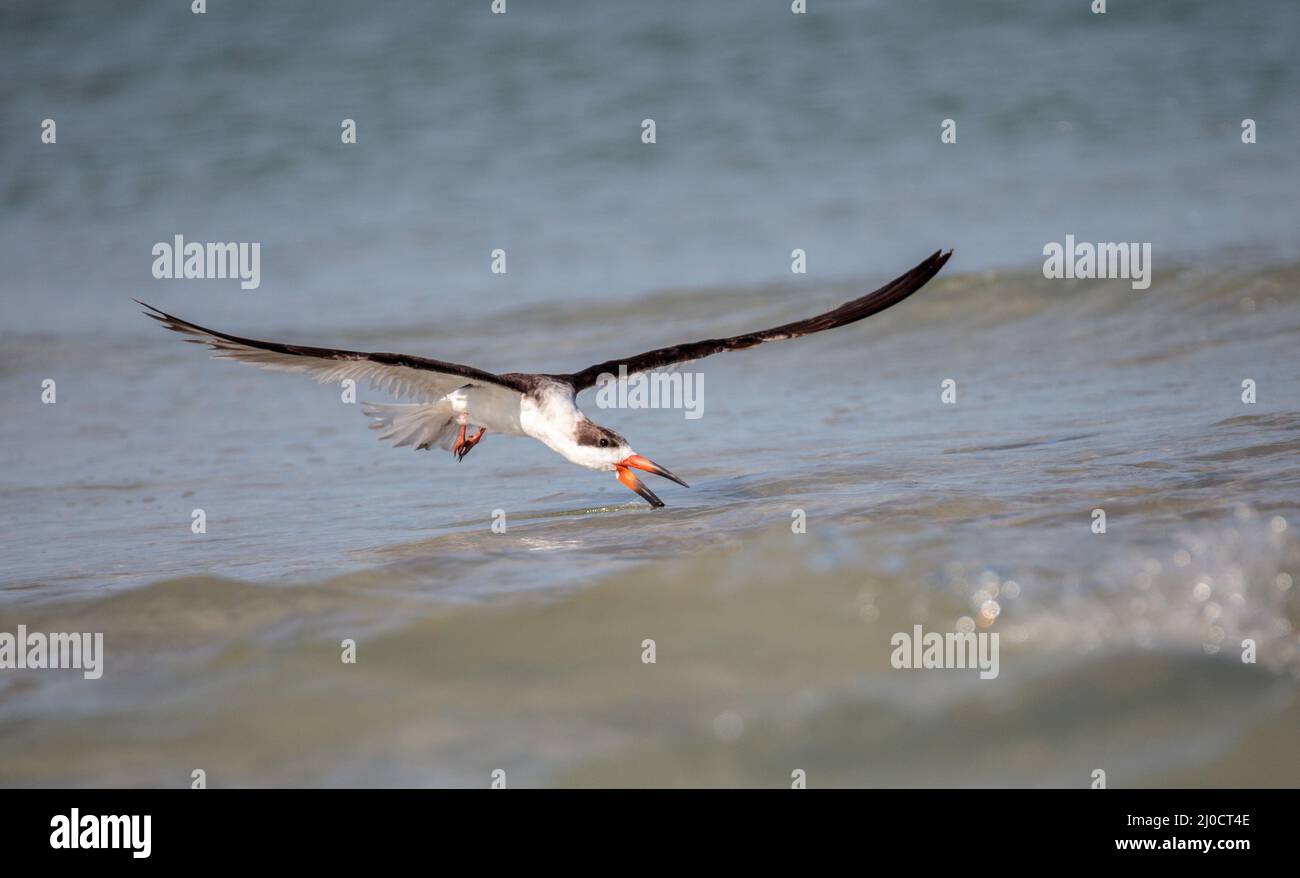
631,482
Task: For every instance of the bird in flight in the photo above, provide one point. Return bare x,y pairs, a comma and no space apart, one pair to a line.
450,398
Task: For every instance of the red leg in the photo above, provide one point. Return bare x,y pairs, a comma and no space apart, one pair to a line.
463,445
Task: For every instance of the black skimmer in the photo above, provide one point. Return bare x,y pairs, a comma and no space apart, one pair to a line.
451,397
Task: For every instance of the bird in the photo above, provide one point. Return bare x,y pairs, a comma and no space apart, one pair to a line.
451,397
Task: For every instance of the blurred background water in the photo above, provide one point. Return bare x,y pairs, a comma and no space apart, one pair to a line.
522,650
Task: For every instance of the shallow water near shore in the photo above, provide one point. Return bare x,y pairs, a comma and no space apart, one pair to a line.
522,651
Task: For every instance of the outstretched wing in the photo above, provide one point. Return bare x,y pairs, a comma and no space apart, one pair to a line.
890,294
400,374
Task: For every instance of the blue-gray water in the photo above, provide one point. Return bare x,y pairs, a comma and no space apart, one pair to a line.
522,651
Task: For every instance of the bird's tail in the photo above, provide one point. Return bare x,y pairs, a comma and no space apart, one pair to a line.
420,424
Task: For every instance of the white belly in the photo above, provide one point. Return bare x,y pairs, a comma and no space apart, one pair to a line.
496,408
549,417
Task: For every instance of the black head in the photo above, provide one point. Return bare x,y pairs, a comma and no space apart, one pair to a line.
595,436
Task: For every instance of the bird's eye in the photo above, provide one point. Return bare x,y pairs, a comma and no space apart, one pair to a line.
604,443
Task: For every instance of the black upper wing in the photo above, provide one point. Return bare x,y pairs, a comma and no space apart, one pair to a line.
890,294
402,373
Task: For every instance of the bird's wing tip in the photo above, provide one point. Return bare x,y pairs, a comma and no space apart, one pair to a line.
152,311
940,258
